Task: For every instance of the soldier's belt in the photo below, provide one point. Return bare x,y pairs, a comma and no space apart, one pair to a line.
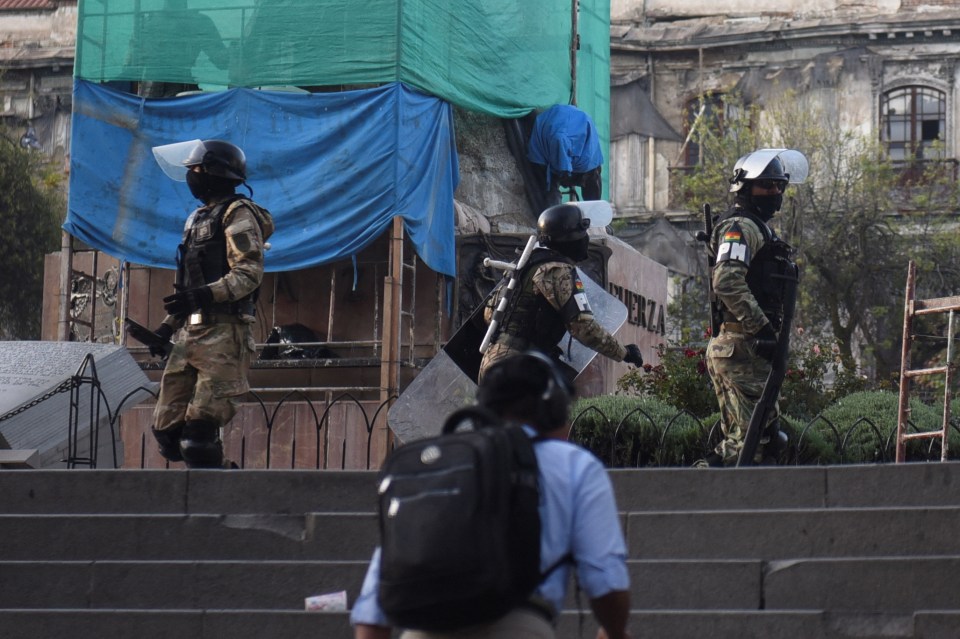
205,319
514,342
732,327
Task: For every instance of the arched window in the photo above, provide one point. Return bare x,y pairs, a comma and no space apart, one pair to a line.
707,110
912,118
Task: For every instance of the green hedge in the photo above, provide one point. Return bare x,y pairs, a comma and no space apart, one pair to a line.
630,431
862,428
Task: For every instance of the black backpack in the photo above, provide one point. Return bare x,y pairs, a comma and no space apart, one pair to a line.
459,525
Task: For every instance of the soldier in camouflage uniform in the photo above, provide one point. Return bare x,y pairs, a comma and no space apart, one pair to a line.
549,299
219,270
748,292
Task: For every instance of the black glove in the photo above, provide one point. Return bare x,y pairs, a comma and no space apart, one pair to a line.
765,342
185,302
164,332
633,356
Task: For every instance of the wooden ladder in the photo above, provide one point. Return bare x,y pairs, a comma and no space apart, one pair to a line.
912,309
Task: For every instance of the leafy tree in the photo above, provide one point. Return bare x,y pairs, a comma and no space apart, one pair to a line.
31,206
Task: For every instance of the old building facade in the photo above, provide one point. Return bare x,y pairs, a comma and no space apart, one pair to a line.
886,68
37,39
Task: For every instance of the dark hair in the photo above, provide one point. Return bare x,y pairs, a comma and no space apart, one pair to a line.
529,387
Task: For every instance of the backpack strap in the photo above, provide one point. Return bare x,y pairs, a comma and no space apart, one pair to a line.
477,416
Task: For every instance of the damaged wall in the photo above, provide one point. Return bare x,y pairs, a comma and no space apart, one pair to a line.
839,57
671,9
490,196
36,63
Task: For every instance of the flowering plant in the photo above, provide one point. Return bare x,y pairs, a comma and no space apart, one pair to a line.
680,379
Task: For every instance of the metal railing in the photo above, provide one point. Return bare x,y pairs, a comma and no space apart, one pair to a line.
863,441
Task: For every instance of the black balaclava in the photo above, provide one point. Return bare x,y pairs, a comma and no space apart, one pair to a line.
576,250
763,205
205,187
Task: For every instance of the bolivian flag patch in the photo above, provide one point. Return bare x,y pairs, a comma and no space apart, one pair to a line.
732,247
580,296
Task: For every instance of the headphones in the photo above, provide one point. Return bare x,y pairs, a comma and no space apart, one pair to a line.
531,371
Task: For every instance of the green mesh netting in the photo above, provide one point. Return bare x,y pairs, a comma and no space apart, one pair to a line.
593,73
502,57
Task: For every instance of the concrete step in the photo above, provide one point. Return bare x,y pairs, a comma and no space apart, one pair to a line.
852,551
334,536
794,534
164,624
769,624
62,492
173,585
720,624
897,584
283,585
637,490
771,535
783,488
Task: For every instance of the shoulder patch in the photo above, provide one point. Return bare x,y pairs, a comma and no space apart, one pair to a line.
580,296
733,247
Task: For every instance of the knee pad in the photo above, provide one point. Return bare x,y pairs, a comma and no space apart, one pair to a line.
169,440
200,445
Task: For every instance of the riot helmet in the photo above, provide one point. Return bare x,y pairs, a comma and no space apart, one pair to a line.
564,229
219,158
761,168
561,223
743,173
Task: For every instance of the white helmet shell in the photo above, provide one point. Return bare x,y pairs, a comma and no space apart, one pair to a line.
751,166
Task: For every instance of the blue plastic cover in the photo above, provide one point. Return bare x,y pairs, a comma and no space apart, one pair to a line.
332,168
565,139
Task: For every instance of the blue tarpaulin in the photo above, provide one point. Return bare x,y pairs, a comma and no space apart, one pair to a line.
565,139
332,168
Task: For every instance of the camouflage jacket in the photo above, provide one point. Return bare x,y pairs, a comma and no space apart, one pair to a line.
736,240
558,283
246,226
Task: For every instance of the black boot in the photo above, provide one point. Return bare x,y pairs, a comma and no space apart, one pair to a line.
775,446
200,444
169,440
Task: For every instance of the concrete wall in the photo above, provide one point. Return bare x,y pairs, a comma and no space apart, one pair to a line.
633,9
36,60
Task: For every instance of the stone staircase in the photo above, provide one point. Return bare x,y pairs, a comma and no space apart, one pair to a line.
834,552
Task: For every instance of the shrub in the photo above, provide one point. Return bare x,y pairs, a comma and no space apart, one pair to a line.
627,431
806,448
804,393
862,427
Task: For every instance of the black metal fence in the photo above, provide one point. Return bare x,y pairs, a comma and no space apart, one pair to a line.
865,440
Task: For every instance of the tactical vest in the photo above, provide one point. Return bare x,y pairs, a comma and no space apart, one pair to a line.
202,255
768,270
529,316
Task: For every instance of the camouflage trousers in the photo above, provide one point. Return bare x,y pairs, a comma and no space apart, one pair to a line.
206,372
494,354
738,377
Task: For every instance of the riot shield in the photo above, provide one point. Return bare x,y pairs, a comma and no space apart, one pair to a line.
449,381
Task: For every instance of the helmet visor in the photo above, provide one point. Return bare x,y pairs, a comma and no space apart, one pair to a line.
595,213
171,158
794,164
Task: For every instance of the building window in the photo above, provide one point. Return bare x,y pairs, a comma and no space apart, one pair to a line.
912,120
705,111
